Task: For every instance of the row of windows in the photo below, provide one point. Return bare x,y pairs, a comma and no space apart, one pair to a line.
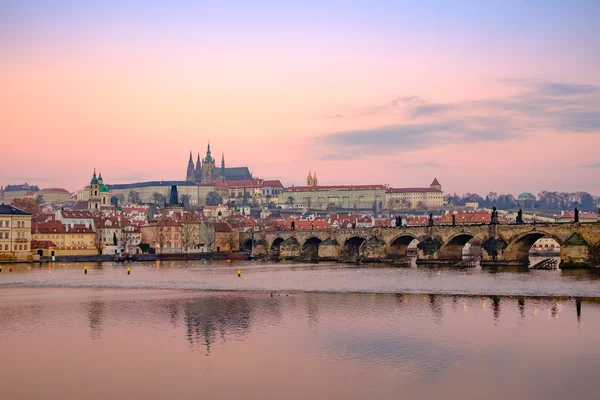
19,247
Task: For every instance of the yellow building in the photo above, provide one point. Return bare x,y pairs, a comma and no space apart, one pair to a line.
15,234
403,198
74,240
55,195
333,197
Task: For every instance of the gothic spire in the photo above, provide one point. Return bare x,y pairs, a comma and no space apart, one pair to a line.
223,161
198,163
190,161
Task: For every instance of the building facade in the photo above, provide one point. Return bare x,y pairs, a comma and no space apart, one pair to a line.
404,198
15,234
363,197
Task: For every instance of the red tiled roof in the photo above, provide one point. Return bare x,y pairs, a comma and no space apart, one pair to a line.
333,187
582,215
42,244
76,214
435,182
80,228
412,190
222,227
48,227
272,183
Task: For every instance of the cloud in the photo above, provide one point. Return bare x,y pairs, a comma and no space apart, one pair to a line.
592,165
387,139
424,164
558,107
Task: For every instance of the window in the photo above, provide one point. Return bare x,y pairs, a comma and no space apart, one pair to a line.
5,247
15,247
20,247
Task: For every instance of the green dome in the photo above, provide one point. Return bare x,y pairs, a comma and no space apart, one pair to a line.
94,180
103,188
526,196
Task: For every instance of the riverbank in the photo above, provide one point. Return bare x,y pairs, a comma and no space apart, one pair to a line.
151,257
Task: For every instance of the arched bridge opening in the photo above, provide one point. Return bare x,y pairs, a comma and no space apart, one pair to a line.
247,245
275,249
310,249
399,246
352,249
519,248
453,248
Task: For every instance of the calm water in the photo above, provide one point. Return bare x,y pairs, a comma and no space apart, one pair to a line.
296,331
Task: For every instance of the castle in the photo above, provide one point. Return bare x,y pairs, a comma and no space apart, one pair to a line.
205,172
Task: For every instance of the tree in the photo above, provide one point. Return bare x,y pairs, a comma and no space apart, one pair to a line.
185,200
290,200
114,238
207,235
374,207
331,206
134,197
159,199
231,238
213,199
189,235
159,235
32,206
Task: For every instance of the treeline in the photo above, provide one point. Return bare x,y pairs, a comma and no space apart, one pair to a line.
584,201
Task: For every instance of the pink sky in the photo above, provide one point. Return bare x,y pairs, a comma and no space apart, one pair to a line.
479,110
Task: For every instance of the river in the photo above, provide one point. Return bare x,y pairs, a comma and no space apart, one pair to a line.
296,331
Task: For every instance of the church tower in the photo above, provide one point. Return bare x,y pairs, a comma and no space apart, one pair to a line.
94,200
311,180
208,168
198,171
190,170
222,176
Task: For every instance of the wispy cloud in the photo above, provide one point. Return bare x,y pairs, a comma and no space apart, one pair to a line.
592,165
418,165
558,107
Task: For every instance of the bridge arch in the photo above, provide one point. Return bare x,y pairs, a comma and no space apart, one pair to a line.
399,245
453,248
310,248
247,245
275,248
518,247
352,246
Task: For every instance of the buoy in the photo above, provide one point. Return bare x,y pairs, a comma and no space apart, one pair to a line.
239,271
10,269
128,271
85,270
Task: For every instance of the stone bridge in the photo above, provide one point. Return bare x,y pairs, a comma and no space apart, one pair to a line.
504,244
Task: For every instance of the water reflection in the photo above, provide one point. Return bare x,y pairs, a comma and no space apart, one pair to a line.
303,345
95,316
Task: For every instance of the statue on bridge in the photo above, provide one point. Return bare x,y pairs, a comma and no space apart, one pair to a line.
430,219
576,217
293,225
494,217
398,221
453,220
519,219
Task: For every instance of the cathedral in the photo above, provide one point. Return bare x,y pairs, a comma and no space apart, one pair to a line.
205,172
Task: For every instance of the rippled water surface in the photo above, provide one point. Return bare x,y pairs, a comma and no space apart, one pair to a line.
296,331
261,276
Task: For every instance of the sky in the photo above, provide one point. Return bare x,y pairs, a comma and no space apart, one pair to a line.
486,96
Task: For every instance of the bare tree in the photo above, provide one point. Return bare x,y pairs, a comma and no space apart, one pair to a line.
159,233
207,235
189,235
134,197
233,239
